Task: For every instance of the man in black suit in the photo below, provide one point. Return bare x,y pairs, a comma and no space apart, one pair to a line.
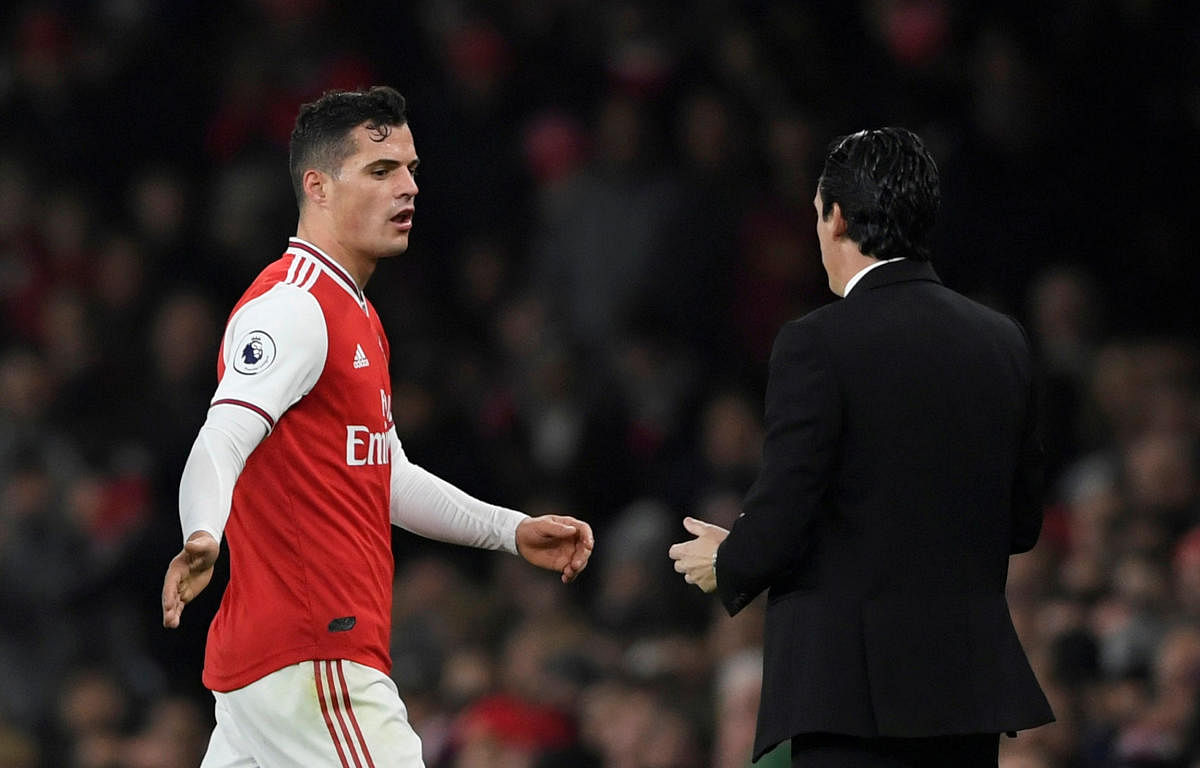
900,470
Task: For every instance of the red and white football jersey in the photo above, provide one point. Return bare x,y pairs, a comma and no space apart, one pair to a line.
309,532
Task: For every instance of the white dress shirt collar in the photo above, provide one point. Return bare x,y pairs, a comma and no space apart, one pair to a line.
862,272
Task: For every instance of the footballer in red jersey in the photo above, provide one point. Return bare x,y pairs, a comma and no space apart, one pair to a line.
299,467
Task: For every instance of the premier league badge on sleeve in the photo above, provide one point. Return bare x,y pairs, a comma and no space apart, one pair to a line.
254,352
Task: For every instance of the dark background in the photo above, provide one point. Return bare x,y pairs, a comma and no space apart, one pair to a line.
614,219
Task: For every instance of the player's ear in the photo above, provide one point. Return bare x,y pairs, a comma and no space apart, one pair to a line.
315,185
838,221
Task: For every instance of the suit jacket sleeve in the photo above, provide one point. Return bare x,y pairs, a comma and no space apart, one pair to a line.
803,420
1028,483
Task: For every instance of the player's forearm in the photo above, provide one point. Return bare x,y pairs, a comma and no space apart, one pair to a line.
431,507
212,469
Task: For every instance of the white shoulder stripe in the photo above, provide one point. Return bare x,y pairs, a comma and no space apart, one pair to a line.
311,277
303,272
292,270
307,270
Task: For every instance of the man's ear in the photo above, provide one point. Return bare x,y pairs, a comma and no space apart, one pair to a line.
315,185
838,221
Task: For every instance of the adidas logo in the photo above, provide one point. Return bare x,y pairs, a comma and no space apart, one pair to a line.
360,357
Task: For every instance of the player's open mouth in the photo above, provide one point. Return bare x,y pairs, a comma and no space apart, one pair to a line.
403,220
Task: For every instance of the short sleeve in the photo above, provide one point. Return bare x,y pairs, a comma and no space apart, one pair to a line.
274,351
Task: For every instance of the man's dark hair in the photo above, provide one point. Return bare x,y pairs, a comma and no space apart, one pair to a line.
887,186
321,137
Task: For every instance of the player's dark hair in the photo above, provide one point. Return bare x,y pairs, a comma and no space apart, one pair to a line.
886,183
321,137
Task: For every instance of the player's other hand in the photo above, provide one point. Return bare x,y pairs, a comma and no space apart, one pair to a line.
187,575
557,543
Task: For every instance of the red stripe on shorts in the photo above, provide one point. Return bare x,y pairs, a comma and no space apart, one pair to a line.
325,712
337,710
362,743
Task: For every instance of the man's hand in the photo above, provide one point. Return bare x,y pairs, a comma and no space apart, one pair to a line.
556,543
694,559
187,575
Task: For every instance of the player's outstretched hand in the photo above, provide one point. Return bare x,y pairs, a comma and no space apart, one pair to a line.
187,575
694,559
557,543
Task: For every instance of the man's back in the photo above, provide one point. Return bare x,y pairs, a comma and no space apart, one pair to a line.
901,420
937,395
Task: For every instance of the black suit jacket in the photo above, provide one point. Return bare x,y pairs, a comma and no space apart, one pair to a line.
900,471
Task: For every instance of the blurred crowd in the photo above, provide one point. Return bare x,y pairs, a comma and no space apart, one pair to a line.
615,217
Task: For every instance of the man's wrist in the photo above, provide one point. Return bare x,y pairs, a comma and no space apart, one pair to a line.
515,539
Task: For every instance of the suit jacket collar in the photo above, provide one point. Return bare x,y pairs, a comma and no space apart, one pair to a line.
901,271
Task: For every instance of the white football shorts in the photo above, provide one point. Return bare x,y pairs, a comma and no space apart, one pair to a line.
317,714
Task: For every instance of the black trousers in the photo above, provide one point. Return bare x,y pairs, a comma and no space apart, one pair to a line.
831,750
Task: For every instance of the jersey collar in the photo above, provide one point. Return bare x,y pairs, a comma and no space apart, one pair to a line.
339,273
